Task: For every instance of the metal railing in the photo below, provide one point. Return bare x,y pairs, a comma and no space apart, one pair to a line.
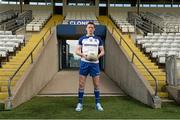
134,55
144,23
23,63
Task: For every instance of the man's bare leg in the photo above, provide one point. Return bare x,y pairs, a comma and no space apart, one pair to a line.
82,81
96,82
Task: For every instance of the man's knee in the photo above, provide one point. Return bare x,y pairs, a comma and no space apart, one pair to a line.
82,80
81,84
96,82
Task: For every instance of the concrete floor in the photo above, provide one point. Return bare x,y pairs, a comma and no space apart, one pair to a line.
65,83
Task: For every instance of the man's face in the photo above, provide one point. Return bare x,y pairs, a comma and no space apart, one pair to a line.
90,29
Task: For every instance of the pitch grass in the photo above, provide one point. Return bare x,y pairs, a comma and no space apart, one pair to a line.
115,107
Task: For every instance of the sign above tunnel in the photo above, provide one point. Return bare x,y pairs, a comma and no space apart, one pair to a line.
79,22
74,32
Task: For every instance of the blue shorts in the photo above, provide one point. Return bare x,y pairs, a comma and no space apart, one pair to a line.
89,68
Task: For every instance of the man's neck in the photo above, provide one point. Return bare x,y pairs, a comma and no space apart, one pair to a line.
89,34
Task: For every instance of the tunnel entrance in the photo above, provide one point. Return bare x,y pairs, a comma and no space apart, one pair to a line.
68,36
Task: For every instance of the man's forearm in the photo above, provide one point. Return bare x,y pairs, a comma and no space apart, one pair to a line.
79,54
100,54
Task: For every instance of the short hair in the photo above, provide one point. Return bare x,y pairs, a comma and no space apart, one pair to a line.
91,23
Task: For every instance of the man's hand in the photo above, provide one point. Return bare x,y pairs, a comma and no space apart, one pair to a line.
79,53
84,56
101,52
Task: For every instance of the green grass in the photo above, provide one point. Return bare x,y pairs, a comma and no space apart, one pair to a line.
115,107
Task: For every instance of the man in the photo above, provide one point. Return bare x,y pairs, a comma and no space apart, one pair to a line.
89,44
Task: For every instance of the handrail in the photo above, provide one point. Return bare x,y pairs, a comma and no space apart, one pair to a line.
30,55
134,54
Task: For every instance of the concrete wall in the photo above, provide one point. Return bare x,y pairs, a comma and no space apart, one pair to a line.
39,73
83,9
120,69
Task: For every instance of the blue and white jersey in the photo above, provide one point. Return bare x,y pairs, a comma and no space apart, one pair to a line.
90,44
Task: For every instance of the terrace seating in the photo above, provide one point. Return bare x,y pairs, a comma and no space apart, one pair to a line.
158,46
7,15
38,22
167,22
122,23
15,20
10,43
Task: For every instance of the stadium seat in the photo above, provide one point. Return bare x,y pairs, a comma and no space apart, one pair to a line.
131,29
38,22
122,23
157,45
29,27
124,29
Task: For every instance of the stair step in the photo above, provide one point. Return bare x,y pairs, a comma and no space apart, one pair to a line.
3,88
159,78
12,66
160,83
15,63
167,100
159,88
149,67
146,64
17,57
5,83
9,70
11,73
5,77
145,73
153,69
3,95
163,94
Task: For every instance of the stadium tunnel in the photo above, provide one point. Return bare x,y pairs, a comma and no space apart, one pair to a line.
72,33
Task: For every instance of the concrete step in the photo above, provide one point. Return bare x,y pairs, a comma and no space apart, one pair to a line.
10,66
5,77
18,63
160,88
160,83
3,88
145,73
167,100
163,94
149,67
152,70
146,64
10,70
13,66
3,95
5,83
144,59
159,78
10,73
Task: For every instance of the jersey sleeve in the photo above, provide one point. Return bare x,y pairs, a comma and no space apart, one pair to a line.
80,41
